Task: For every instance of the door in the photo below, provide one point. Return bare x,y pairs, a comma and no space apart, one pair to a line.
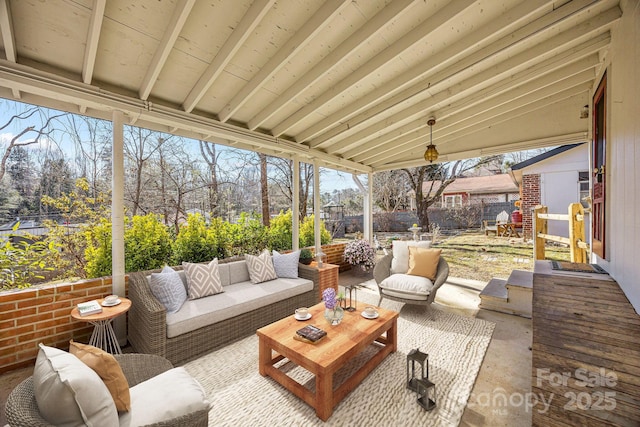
599,151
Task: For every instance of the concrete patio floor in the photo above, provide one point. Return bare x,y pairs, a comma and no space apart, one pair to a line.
505,374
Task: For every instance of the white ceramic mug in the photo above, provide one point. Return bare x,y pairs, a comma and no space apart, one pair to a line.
302,312
111,299
370,311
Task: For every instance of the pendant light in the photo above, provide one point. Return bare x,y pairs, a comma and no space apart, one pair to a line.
431,155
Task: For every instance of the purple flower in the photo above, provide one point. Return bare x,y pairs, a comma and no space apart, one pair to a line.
329,298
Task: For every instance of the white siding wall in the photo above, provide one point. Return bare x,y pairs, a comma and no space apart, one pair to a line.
623,151
559,184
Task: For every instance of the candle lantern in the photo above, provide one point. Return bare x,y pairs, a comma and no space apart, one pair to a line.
422,359
350,297
426,394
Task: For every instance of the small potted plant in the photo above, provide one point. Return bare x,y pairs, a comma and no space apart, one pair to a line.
306,256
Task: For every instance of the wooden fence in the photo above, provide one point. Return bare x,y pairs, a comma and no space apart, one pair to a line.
579,249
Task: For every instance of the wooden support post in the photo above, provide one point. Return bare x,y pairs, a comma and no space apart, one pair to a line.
576,233
539,227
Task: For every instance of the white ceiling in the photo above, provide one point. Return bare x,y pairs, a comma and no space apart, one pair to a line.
348,83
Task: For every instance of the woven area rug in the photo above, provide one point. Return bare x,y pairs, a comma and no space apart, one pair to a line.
456,346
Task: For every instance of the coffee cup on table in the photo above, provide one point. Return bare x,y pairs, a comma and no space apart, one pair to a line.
370,311
111,299
302,312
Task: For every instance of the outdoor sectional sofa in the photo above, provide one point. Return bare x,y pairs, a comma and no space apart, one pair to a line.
207,323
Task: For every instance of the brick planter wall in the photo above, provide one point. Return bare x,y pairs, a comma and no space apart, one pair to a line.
530,199
42,315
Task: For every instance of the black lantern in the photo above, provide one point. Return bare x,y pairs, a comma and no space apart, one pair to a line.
426,394
416,356
350,297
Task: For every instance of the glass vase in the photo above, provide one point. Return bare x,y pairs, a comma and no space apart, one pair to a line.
334,315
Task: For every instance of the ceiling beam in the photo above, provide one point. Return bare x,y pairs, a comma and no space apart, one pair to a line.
528,81
479,80
8,37
173,30
293,46
240,34
93,38
329,62
343,120
441,17
427,86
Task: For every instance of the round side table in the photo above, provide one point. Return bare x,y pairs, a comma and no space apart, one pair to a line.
103,335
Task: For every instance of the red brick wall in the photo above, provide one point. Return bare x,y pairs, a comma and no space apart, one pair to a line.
42,315
530,199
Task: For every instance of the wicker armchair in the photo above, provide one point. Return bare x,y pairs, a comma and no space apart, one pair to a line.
22,409
382,270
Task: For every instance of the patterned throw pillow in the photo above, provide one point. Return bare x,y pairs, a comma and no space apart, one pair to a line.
286,265
203,279
260,267
168,288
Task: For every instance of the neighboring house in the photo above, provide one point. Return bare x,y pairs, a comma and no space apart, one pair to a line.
554,179
476,189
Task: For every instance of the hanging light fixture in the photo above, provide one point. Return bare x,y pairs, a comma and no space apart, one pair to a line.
431,155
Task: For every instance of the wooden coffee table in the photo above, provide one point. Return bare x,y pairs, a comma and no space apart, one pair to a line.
342,343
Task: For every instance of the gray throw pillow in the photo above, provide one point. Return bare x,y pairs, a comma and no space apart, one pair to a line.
203,279
286,265
168,288
260,267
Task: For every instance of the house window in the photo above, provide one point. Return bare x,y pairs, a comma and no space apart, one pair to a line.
583,188
454,201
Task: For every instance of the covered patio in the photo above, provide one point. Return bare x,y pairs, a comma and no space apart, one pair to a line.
349,85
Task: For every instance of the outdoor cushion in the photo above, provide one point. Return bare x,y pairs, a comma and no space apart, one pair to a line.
286,265
69,393
260,267
237,299
400,261
107,368
423,262
168,288
238,272
203,279
407,286
156,399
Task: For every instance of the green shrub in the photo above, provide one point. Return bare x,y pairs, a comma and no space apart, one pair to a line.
280,231
248,235
219,238
147,244
23,261
307,237
191,244
97,251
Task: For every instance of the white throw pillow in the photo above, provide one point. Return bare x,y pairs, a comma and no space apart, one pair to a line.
286,265
170,395
260,267
400,260
168,288
407,286
69,393
203,279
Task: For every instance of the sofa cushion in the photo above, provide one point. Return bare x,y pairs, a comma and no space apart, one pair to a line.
238,298
400,260
286,265
424,262
203,279
238,272
407,286
168,288
107,368
260,267
69,393
167,396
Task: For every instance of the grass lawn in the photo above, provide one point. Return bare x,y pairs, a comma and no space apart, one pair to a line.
479,257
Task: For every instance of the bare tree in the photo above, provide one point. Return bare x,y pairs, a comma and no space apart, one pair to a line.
391,190
282,177
264,190
29,135
429,182
208,152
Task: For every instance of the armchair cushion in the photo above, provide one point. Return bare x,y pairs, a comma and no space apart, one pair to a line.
69,393
107,368
400,261
424,262
157,399
407,286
